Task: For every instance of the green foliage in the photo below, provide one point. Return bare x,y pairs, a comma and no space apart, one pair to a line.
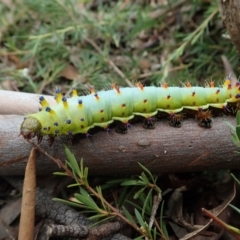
235,131
235,136
138,192
47,36
231,228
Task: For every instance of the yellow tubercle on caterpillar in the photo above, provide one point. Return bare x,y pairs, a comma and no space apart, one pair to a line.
227,82
44,103
65,103
58,96
74,92
50,111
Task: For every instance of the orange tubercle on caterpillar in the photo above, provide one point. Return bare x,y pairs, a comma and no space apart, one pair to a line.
140,85
96,96
116,88
92,90
211,84
164,85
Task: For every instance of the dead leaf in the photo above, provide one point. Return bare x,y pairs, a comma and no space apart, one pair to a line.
28,200
6,85
9,212
215,211
70,72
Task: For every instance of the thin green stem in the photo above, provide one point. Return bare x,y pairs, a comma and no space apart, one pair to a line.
91,190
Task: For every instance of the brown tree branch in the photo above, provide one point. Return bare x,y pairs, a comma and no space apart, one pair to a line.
20,103
164,149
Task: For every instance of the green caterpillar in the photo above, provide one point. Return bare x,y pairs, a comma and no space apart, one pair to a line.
78,114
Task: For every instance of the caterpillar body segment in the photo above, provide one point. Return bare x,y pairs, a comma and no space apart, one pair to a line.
78,114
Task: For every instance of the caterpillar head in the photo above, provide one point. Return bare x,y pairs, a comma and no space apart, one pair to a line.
30,128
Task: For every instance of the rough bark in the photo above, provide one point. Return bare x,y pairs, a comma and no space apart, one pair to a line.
164,149
230,12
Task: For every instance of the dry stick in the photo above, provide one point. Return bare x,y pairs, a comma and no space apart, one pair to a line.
160,12
159,228
7,228
229,70
111,63
103,230
230,12
173,69
156,201
70,231
76,231
115,211
26,227
221,223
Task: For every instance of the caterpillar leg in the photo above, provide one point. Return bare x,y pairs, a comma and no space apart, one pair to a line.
149,123
107,129
39,137
238,104
88,135
204,118
122,127
50,140
176,120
